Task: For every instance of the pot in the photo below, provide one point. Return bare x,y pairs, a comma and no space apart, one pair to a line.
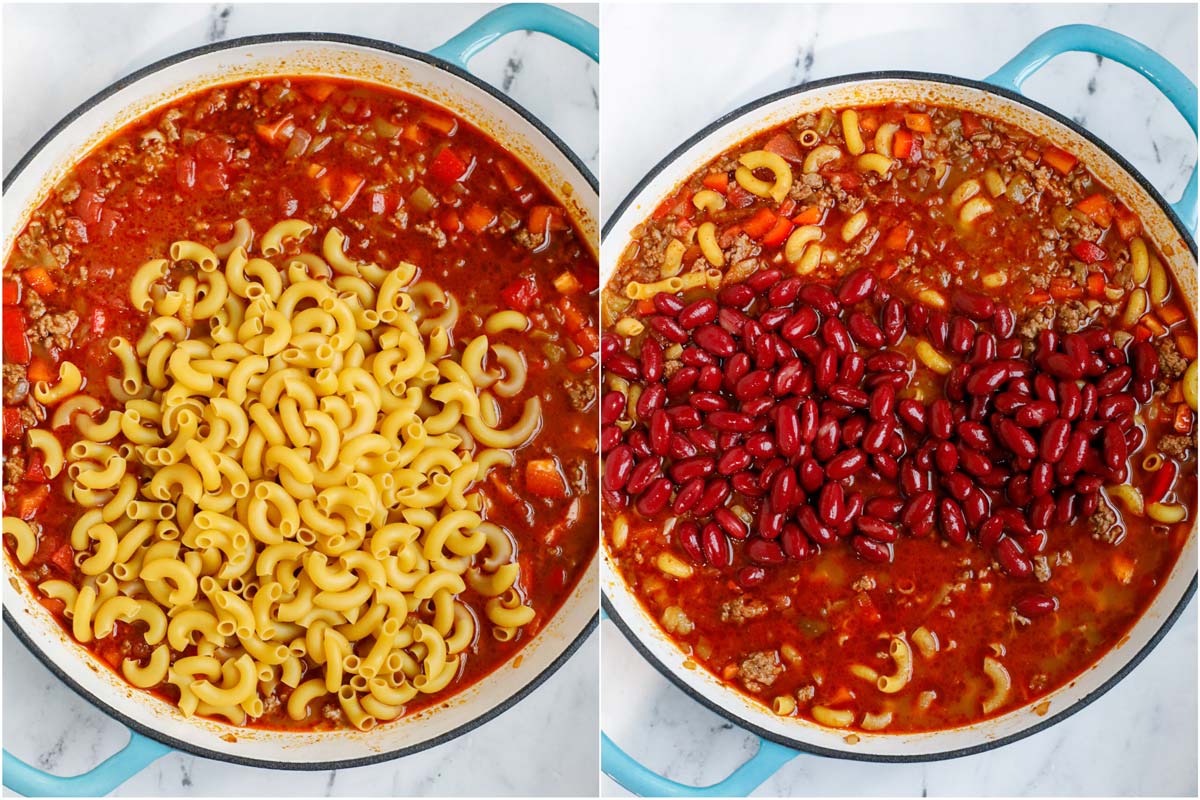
1169,225
440,76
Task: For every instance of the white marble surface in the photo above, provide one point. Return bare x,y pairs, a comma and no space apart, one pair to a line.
57,56
1140,738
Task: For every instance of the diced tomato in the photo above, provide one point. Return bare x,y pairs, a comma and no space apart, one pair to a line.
970,124
786,208
1061,160
1088,252
586,338
868,122
384,202
1096,284
109,220
75,230
1098,207
63,559
918,123
12,292
1128,224
866,607
13,427
347,189
1170,314
760,224
542,478
1183,419
739,197
211,177
87,206
317,90
277,132
902,144
809,216
35,470
521,294
779,233
898,237
30,499
573,318
450,222
16,343
717,181
39,280
645,306
41,370
785,146
215,148
447,167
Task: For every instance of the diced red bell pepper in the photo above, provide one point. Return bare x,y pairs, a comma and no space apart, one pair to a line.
902,143
739,197
13,427
63,559
970,124
785,146
1061,160
717,181
1161,482
16,343
1088,252
30,499
1098,208
809,216
215,148
447,167
12,292
521,294
760,224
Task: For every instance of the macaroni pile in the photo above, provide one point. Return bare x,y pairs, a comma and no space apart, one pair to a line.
286,485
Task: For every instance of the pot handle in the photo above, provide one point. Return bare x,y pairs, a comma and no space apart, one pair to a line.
1165,76
566,27
101,779
623,769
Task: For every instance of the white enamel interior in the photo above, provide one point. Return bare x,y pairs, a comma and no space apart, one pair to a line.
303,58
1171,245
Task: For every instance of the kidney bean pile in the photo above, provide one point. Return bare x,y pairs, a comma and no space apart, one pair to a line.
788,408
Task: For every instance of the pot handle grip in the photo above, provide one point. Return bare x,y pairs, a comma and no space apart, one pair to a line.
564,26
101,779
1164,75
635,777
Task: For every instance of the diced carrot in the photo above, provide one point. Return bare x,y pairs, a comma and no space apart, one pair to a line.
448,167
902,144
450,222
1064,289
645,306
1141,333
29,500
347,189
760,224
1098,208
273,133
1122,568
39,280
587,339
717,181
1171,314
1156,328
1038,297
581,364
314,170
415,134
41,370
542,478
567,283
478,218
840,695
1183,419
573,318
888,269
918,123
511,175
35,470
1128,224
16,341
1096,284
318,90
809,216
1175,393
779,233
1186,343
898,237
442,123
783,145
1061,160
543,219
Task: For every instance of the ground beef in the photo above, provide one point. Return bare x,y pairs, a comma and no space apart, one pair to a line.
434,231
1177,447
760,670
740,271
14,468
1072,316
671,366
864,583
1036,322
16,384
862,244
1041,568
54,330
809,184
742,249
580,394
1103,525
805,694
739,610
34,305
1171,365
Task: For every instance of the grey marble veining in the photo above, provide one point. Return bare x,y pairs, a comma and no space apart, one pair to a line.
47,724
1138,739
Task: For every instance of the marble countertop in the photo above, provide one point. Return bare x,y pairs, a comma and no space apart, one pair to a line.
52,61
1140,738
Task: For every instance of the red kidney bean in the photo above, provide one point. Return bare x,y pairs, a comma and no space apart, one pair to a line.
610,437
825,369
891,321
973,304
653,398
959,485
730,421
787,377
784,293
760,445
1115,449
876,529
1113,406
640,442
845,464
623,366
688,536
710,378
652,360
733,460
917,514
701,312
853,428
735,295
1054,440
1041,511
686,469
1145,361
654,499
913,479
752,385
731,523
615,500
1016,439
715,340
715,493
695,357
794,542
856,287
764,352
618,466
871,550
612,407
820,298
1004,322
687,496
610,346
953,523
991,530
852,370
718,550
766,553
864,330
812,526
886,465
834,334
764,279
848,395
746,483
799,325
945,457
1012,560
811,474
940,420
974,435
669,329
1036,605
885,508
987,378
1009,348
749,577
736,366
731,320
1041,478
916,318
1062,365
825,445
1035,414
1114,380
660,433
1115,356
878,436
961,335
667,304
831,503
938,328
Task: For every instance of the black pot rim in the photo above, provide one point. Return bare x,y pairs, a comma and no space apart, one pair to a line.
393,49
931,77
